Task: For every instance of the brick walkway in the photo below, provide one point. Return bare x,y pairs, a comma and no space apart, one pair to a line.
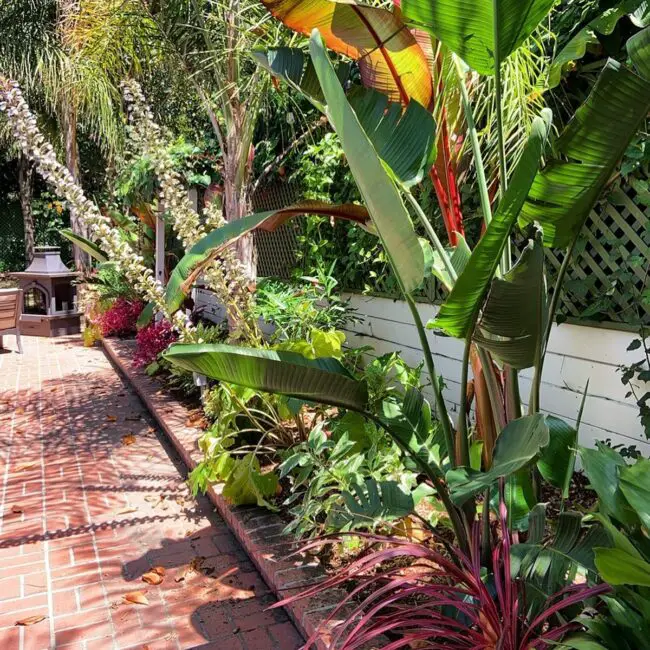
91,499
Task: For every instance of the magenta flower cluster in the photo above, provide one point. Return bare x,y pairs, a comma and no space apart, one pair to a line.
121,317
151,341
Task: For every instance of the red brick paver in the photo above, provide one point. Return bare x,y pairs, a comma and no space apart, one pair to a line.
91,499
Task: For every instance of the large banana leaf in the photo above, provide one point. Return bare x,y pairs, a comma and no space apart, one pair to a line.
322,380
514,317
405,139
576,48
518,444
459,311
85,245
376,186
297,70
390,59
467,27
206,249
587,152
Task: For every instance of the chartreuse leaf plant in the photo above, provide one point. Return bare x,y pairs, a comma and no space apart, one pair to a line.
498,309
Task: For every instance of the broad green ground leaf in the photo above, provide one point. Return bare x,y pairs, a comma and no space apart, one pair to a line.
546,566
410,425
246,484
514,317
378,190
519,443
459,310
467,26
206,249
556,462
586,154
620,568
390,59
635,485
372,503
581,642
519,497
602,467
146,315
273,371
638,49
459,258
85,245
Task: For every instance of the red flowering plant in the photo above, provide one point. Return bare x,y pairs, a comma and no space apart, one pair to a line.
152,340
121,317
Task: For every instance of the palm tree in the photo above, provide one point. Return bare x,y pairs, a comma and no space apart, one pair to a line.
69,56
211,40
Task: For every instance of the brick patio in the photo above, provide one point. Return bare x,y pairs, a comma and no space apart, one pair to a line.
92,498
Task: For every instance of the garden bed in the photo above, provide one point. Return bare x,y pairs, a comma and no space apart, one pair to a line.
258,530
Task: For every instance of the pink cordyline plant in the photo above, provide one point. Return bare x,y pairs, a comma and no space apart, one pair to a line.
441,602
151,341
121,317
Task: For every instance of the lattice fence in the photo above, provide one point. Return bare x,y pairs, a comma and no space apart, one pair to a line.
277,250
605,281
608,272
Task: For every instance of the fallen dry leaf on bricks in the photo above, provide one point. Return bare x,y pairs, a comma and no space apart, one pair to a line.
136,598
17,510
128,439
160,570
20,410
111,418
31,620
152,578
193,567
25,466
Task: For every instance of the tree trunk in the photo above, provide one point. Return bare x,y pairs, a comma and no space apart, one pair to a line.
26,191
69,125
67,14
236,204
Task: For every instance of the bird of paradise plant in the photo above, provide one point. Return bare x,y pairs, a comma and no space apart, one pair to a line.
499,310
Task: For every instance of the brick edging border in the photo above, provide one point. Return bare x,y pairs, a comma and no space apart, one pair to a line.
257,530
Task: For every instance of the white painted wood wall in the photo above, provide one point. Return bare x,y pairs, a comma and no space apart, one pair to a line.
576,354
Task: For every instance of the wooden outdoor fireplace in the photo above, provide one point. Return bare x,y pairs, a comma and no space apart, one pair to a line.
49,297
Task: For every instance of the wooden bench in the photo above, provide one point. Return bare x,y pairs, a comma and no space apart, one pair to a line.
11,303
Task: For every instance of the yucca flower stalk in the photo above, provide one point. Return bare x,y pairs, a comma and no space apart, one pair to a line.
226,276
34,145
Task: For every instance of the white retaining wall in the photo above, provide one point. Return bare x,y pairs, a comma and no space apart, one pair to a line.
576,354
